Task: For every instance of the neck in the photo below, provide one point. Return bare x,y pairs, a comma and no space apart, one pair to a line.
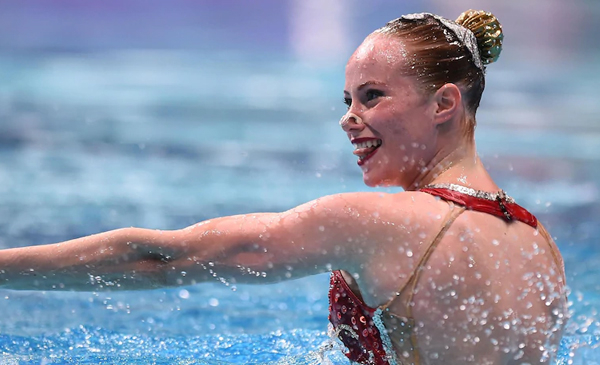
459,165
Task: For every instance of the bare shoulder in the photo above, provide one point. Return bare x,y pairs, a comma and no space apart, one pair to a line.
415,203
388,235
370,218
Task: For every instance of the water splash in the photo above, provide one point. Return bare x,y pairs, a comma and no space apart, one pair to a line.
88,345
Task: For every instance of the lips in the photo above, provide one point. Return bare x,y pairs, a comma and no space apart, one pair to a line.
365,148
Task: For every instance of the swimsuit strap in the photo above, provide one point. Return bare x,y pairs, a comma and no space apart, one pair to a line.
414,277
450,217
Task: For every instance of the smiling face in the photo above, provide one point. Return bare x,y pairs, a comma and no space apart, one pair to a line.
393,130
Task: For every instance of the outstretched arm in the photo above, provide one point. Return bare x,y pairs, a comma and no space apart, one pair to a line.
126,258
328,233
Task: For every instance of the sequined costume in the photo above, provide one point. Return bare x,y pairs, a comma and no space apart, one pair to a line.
361,328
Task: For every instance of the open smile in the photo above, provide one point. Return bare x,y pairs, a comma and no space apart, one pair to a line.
365,148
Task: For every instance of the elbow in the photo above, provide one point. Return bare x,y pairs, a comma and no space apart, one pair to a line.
128,235
138,244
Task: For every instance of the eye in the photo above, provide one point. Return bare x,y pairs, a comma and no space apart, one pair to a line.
373,94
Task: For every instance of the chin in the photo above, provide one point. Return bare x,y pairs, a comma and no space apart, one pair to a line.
375,181
370,183
382,173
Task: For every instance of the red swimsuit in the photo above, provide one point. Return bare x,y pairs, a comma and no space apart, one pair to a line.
359,326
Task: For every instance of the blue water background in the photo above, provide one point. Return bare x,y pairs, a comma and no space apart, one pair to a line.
162,114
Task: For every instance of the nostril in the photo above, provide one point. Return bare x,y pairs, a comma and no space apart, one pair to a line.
357,119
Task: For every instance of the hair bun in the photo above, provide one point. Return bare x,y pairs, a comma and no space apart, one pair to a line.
488,32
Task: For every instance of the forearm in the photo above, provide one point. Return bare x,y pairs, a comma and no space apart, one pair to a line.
120,259
126,259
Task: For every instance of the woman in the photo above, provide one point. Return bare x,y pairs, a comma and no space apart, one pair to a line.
451,271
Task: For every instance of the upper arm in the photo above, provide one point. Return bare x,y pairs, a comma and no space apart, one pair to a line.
333,232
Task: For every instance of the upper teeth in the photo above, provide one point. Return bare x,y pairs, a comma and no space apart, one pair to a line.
367,144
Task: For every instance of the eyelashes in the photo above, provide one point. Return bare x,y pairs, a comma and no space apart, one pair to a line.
370,95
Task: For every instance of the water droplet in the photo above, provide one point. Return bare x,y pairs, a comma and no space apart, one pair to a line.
184,294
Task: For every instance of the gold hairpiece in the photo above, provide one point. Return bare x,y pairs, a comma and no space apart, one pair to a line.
487,30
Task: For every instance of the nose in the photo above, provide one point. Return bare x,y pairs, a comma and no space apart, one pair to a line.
352,122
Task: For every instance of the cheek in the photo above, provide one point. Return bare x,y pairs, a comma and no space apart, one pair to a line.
413,129
403,125
407,146
398,134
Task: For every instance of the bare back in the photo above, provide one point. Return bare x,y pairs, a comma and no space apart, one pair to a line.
489,292
494,294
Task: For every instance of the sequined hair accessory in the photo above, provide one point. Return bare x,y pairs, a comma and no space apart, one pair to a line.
464,35
478,30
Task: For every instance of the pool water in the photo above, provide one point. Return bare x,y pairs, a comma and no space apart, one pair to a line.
96,346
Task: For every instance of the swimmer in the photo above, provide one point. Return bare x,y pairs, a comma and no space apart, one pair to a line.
450,271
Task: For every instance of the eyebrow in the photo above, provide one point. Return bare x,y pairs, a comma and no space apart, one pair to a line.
367,83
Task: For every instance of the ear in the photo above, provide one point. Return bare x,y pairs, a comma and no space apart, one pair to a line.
448,100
